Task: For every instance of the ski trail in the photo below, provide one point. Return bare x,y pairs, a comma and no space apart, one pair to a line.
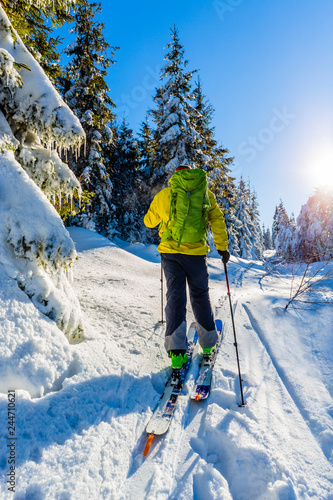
315,427
265,424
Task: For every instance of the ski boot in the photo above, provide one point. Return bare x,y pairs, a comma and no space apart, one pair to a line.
207,351
178,359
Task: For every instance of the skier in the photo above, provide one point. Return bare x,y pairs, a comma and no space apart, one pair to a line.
183,210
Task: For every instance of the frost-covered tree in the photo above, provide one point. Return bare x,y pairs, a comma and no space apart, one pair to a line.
222,185
206,145
215,160
267,239
35,123
87,93
123,166
315,227
147,147
256,234
284,233
175,133
243,214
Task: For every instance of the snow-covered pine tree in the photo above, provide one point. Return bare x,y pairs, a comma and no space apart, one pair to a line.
175,133
284,233
123,166
206,144
35,22
243,214
257,237
87,93
315,227
215,160
267,239
147,148
35,123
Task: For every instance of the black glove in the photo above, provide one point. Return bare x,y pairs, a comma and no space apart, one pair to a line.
225,255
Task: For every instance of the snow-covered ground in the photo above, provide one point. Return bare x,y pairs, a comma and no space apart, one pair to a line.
82,410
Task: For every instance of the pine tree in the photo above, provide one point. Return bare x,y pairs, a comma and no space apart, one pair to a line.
35,23
123,167
87,93
267,239
257,237
205,142
175,133
284,233
213,158
36,249
147,147
314,227
243,214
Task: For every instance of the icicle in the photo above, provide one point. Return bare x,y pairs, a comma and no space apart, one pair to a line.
66,154
76,153
80,200
71,203
85,147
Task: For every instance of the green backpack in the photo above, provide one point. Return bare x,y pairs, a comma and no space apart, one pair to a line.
189,206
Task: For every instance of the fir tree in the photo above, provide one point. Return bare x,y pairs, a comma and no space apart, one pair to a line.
284,233
35,23
175,133
206,145
243,214
123,167
213,158
257,237
315,227
87,93
147,147
267,239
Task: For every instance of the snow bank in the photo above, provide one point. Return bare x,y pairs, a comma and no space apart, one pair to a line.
35,248
34,354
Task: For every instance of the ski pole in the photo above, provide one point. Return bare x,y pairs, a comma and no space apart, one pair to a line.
234,329
161,280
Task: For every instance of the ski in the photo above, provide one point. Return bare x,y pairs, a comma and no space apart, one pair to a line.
202,385
161,418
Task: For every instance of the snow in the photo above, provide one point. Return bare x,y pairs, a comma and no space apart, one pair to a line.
35,356
35,248
82,410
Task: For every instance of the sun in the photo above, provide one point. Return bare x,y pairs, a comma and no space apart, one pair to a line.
321,170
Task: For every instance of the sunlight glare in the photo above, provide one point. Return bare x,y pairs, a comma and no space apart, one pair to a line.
321,171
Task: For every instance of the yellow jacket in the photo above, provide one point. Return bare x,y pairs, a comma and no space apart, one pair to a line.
159,211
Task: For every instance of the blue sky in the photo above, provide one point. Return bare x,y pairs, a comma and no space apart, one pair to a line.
267,68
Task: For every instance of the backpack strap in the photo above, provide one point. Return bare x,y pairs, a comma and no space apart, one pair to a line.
166,236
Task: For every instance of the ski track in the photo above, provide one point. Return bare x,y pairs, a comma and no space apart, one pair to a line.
195,452
313,426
